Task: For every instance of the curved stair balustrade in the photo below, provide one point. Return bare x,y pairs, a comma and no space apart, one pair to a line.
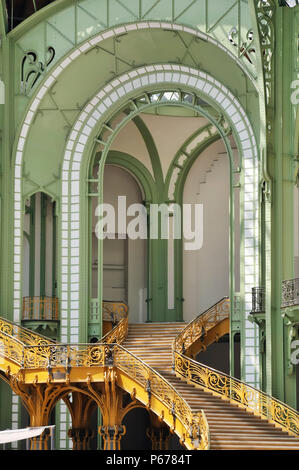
191,428
11,348
198,328
24,335
195,424
114,311
188,397
223,385
119,333
66,356
238,392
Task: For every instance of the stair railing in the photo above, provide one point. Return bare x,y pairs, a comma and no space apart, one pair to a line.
153,383
11,348
119,333
24,335
114,311
66,356
238,392
223,385
198,327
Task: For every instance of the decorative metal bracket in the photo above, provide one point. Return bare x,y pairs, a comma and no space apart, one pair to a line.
32,69
291,320
109,360
149,393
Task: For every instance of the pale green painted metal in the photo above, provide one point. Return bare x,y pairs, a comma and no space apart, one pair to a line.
277,250
159,300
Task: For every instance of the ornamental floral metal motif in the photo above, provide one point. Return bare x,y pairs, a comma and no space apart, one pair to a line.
114,311
119,332
22,334
223,385
201,325
32,69
195,423
246,48
265,13
238,392
290,293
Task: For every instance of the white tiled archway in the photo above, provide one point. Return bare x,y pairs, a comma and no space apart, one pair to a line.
70,201
89,120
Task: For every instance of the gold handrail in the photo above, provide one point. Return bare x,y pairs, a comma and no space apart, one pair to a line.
66,355
25,335
238,392
114,311
119,333
221,384
201,325
195,423
47,356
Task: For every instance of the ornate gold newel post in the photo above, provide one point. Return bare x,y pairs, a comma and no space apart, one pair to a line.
81,408
158,433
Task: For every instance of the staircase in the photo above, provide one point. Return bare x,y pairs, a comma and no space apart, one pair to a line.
231,428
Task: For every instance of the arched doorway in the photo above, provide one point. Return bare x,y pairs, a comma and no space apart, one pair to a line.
124,271
40,307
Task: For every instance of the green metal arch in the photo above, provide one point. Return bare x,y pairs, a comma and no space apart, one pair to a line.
54,197
223,133
189,161
152,150
138,170
185,171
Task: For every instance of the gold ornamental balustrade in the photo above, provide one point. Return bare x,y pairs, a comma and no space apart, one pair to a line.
195,424
119,333
11,348
24,335
223,385
200,326
65,355
114,311
192,428
45,356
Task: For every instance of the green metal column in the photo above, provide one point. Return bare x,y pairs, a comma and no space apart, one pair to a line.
54,249
7,208
43,212
32,245
280,168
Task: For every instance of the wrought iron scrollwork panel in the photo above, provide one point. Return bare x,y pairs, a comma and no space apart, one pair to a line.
32,69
